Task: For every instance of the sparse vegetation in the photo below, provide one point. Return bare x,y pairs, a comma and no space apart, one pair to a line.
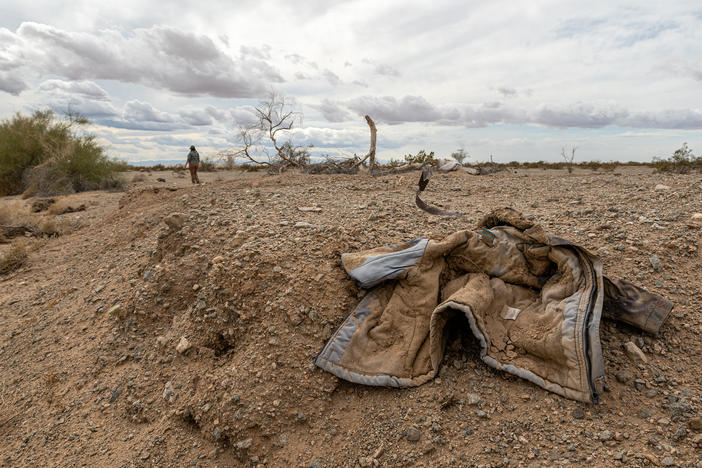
568,158
40,154
420,158
460,155
13,259
682,161
262,140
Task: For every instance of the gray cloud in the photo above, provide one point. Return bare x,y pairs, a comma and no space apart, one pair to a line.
389,110
331,77
332,111
579,115
137,111
11,84
159,57
507,91
387,70
81,97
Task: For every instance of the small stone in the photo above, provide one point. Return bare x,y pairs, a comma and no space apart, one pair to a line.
697,216
277,269
578,413
175,221
696,424
217,433
412,434
217,259
634,353
661,188
315,464
645,413
680,432
244,444
161,340
668,461
117,311
624,376
168,391
605,435
196,287
183,345
303,224
473,398
655,262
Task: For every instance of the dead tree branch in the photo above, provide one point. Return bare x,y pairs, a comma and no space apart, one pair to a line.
371,151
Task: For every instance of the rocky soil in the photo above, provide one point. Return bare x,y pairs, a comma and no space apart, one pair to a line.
178,327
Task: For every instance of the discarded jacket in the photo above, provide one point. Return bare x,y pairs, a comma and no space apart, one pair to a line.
533,301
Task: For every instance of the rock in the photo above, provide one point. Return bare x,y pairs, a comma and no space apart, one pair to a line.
160,179
315,464
697,216
217,433
117,311
697,440
473,398
183,345
661,188
578,413
304,224
412,434
680,432
696,424
668,461
644,413
217,259
655,262
605,435
623,376
634,353
174,221
168,392
307,209
161,340
244,444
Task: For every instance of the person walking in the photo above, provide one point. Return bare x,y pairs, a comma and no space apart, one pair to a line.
194,162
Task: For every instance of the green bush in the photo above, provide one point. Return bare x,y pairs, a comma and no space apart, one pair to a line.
421,158
42,155
682,161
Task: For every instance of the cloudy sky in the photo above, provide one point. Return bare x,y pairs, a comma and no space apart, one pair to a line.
516,80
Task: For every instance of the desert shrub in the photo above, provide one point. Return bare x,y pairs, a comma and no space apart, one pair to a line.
40,154
207,165
681,161
420,158
460,155
13,259
138,178
15,214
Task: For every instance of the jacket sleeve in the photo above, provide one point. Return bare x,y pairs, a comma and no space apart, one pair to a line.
628,303
372,267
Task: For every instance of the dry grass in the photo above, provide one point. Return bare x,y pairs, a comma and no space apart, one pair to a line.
14,258
16,214
66,206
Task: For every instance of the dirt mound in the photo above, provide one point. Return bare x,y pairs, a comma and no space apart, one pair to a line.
136,343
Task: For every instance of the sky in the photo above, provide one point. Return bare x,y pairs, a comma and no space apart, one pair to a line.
515,81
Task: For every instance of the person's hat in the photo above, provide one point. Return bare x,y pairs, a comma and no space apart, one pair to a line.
192,147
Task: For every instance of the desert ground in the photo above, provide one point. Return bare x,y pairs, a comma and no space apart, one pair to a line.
176,325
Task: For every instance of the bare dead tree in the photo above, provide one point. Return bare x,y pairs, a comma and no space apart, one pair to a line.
274,120
569,158
371,151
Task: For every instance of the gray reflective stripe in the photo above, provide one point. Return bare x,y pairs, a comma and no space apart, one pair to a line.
328,359
378,268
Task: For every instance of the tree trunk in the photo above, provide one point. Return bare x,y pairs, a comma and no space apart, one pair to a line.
371,152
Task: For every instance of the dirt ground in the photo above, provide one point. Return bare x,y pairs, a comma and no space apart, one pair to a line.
177,326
